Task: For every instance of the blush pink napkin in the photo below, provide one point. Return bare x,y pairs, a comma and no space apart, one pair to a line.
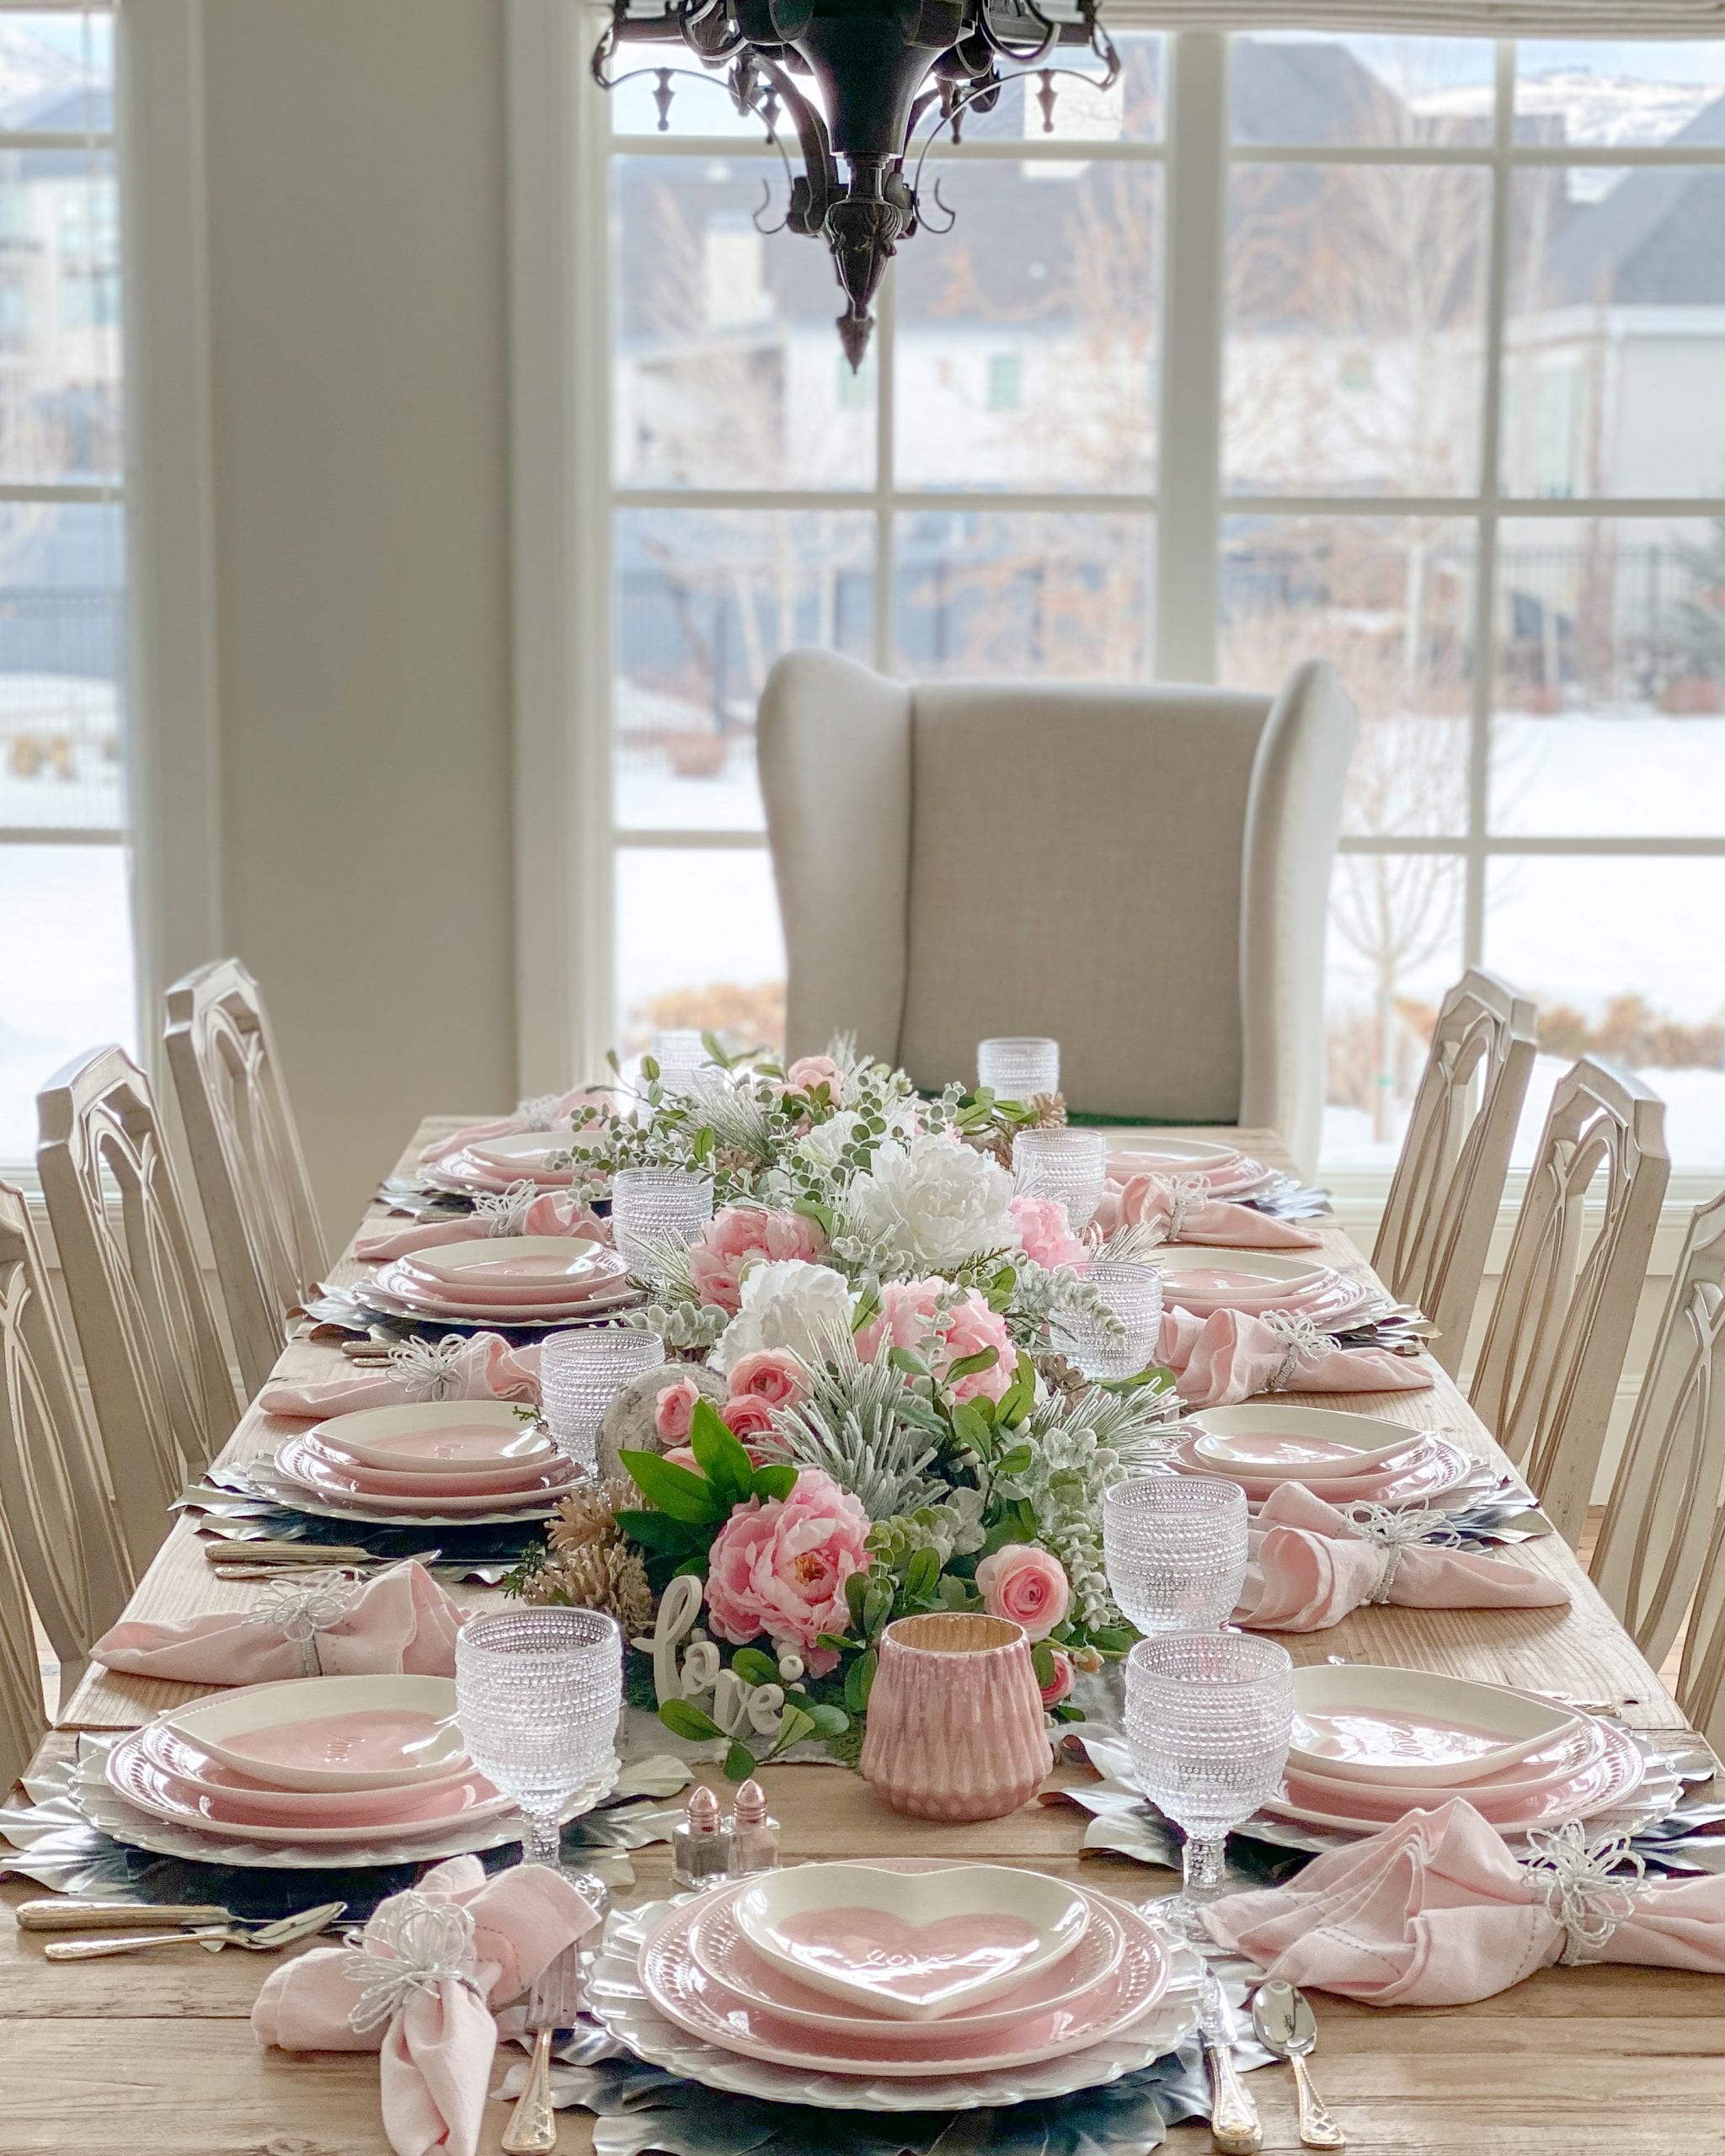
434,2055
1310,1566
482,1366
1147,1200
552,1213
1228,1356
400,1624
556,1113
1434,1911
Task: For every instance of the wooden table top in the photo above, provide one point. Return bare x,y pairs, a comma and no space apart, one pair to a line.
154,2055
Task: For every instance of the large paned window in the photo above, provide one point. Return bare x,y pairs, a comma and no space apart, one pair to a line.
1461,363
66,955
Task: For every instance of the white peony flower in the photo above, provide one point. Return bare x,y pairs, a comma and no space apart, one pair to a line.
936,1203
824,1143
787,1304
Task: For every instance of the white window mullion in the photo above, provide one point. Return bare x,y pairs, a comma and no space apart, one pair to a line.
1194,283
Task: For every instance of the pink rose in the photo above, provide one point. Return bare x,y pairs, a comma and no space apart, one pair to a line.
674,1411
910,1317
1026,1584
738,1237
683,1456
1061,1683
769,1374
780,1567
1045,1231
809,1071
749,1416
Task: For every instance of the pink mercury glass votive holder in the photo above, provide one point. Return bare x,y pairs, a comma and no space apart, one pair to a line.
955,1720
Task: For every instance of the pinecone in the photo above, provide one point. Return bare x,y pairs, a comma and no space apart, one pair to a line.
1059,1375
589,1516
607,1576
1051,1110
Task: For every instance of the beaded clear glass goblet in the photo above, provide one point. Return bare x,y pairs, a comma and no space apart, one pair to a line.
653,1209
1208,1720
1018,1066
1174,1550
580,1373
679,1053
1134,1293
1068,1165
539,1693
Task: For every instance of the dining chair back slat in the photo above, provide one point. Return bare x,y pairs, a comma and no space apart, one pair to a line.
1442,1204
157,1373
246,1157
1559,1329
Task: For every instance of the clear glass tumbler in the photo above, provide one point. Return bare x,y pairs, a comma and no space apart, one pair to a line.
652,1208
1018,1067
1134,1293
1209,1715
580,1373
1068,1165
539,1694
678,1054
1174,1547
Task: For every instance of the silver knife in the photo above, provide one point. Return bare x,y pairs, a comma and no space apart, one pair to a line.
1233,2120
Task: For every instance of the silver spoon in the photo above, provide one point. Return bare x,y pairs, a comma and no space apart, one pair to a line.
1282,2021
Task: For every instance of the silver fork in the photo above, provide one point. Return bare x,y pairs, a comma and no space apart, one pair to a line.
553,2003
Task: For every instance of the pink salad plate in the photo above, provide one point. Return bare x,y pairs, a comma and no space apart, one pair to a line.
1313,1445
504,1480
720,1949
236,1796
522,1155
465,1172
516,1264
1587,1741
1226,1282
1231,1174
322,1733
296,1462
133,1775
685,1994
439,1437
1601,1785
394,1285
1430,1469
600,1280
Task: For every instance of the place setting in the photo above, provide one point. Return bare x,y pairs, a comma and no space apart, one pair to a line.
1348,1459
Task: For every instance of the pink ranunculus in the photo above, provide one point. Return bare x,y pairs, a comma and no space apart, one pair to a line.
749,1416
1061,1683
809,1071
739,1236
1045,1231
1027,1585
674,1411
780,1567
769,1374
910,1317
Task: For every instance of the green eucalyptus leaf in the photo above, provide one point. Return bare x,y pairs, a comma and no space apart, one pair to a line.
1042,1660
859,1679
659,1531
877,1605
968,1366
922,1574
798,1723
754,1667
688,1497
829,1721
855,1589
777,1479
1016,1460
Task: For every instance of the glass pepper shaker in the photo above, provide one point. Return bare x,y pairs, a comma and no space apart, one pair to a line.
754,1832
701,1842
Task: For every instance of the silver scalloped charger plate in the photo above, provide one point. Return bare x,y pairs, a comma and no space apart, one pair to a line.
618,2000
93,1796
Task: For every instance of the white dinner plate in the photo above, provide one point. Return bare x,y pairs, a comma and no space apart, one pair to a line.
1304,1445
912,1947
329,1732
438,1437
390,1289
1413,1727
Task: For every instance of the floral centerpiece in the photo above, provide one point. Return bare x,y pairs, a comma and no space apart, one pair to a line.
867,1414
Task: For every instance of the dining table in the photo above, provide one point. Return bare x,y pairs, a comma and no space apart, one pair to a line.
153,2055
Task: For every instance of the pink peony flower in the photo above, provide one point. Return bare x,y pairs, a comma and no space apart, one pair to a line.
674,1411
1045,1231
769,1374
1026,1584
738,1236
1061,1683
747,1417
780,1568
809,1071
910,1317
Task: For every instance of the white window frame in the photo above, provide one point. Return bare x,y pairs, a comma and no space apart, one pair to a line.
565,496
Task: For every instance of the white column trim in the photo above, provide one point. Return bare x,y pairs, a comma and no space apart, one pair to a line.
173,764
560,573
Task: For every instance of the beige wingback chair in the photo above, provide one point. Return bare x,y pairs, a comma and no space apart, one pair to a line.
1142,872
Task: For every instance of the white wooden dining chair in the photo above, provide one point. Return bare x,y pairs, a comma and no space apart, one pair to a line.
55,1488
153,1360
23,1717
1559,1329
1700,1675
1669,1497
1163,917
246,1157
1444,1197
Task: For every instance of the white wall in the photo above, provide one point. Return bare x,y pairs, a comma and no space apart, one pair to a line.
359,363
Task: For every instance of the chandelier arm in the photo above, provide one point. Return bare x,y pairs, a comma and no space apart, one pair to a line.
811,130
965,98
1026,56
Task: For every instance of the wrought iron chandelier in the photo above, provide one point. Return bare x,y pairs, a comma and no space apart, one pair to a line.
886,78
